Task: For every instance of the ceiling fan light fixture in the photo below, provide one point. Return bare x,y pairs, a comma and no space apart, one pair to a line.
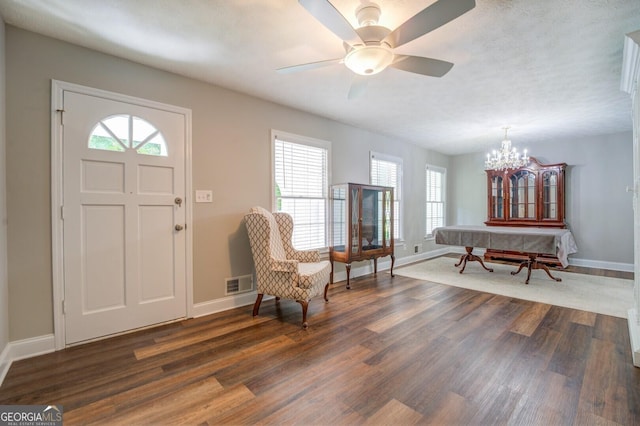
368,60
368,14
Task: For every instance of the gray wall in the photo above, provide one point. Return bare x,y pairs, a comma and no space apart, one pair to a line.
231,156
598,208
4,290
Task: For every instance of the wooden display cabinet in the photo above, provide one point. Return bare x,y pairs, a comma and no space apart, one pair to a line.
361,225
531,196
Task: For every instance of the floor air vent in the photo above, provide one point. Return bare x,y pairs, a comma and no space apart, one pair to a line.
241,284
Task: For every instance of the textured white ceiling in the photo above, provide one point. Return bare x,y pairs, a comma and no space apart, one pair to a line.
550,69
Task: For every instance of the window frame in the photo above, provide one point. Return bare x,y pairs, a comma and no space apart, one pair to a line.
133,122
443,190
397,192
312,142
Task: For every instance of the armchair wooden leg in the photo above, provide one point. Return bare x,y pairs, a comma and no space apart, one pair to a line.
393,260
326,288
331,274
256,306
305,305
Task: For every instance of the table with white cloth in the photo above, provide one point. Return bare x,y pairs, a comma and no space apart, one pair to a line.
531,241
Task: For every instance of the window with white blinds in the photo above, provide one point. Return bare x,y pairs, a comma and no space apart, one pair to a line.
301,178
386,170
435,196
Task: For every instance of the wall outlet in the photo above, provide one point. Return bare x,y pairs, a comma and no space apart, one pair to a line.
417,248
204,196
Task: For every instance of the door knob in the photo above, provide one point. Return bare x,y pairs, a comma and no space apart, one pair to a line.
179,227
178,201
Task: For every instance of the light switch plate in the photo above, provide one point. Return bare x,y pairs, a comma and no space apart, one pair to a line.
204,196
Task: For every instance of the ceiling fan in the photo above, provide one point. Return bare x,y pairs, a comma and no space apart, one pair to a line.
369,48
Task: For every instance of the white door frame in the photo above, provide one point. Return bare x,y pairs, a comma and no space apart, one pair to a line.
629,84
57,116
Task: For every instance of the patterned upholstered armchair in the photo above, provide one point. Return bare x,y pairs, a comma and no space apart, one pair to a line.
281,270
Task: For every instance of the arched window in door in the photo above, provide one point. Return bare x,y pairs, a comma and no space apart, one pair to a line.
121,132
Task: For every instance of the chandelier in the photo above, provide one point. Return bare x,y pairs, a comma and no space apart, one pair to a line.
507,158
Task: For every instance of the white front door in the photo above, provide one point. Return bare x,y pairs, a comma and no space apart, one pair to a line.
123,216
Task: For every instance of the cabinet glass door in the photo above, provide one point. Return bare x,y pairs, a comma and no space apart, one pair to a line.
388,218
550,195
339,219
523,195
532,195
355,220
497,198
370,220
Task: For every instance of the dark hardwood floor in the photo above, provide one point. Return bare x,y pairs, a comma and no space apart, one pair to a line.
389,351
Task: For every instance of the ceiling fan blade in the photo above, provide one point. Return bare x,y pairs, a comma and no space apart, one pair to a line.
329,16
309,66
424,66
358,86
434,16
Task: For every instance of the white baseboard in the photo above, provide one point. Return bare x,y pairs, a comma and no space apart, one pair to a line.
5,363
34,346
614,266
634,335
27,348
422,256
225,303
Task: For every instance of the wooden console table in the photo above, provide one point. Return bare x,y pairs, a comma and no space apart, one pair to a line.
532,241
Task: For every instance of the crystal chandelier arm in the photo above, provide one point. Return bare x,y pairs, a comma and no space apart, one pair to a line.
507,157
